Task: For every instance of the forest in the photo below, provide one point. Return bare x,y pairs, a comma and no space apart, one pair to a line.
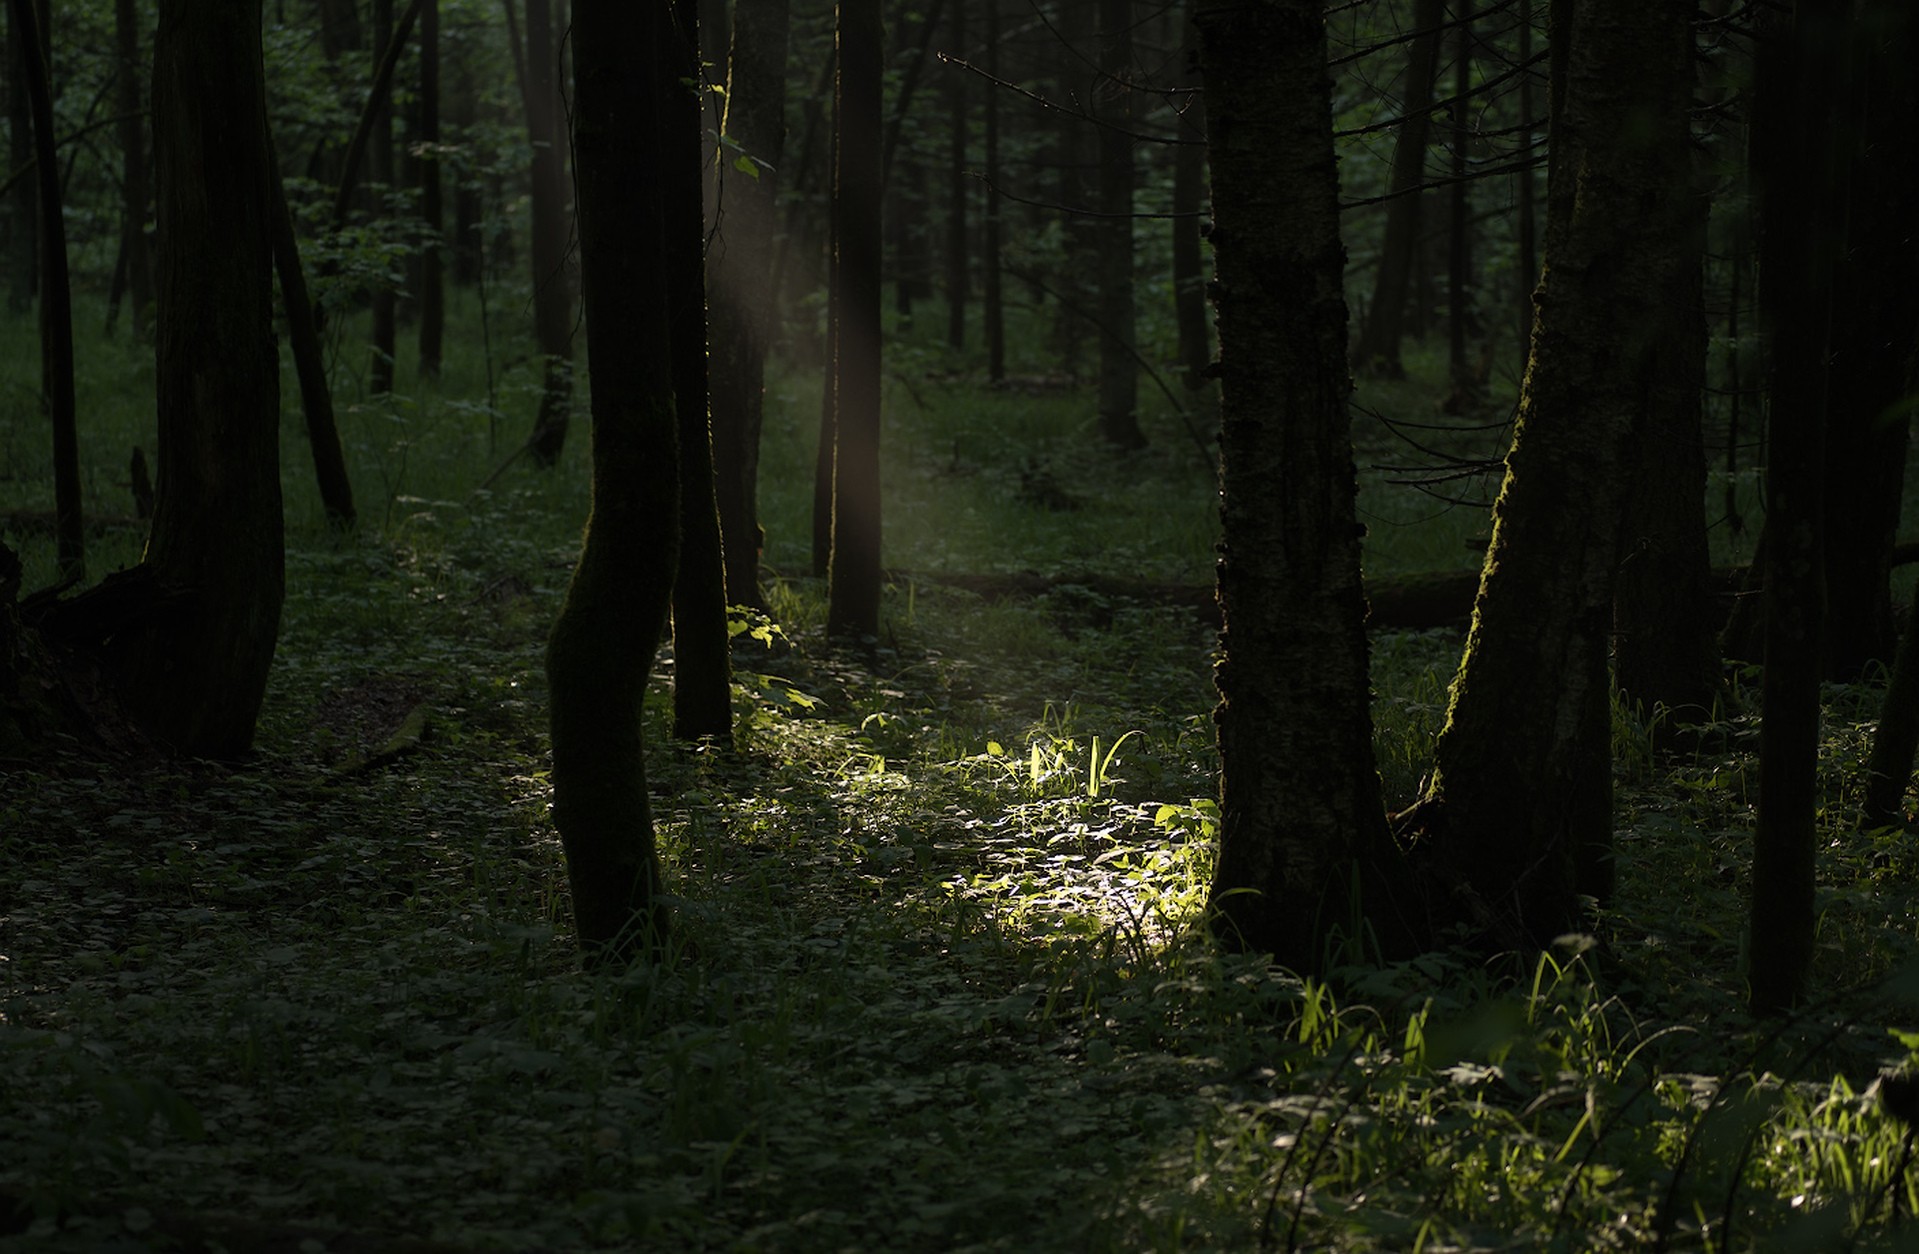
958,625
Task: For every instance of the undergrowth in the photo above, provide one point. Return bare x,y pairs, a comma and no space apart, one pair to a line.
940,978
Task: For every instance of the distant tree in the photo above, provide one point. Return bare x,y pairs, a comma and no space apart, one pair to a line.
959,127
23,239
854,574
432,213
1118,358
1303,828
992,295
609,629
1377,349
383,300
702,667
1462,320
134,190
56,302
742,307
1189,196
552,295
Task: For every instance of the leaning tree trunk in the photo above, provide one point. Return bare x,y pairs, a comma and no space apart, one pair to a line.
192,666
1517,815
609,629
1301,812
742,312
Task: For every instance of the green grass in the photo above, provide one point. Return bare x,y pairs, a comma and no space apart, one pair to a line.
939,979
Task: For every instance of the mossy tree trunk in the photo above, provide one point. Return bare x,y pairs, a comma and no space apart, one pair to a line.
610,626
193,665
1302,824
742,304
1517,816
853,576
702,665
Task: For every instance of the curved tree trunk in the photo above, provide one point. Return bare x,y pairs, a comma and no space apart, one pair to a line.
1301,815
609,629
1518,812
193,667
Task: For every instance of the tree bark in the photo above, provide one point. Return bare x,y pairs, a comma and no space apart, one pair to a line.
1378,348
193,666
853,578
1517,816
702,666
610,626
743,311
56,305
1801,118
1303,830
1118,360
552,298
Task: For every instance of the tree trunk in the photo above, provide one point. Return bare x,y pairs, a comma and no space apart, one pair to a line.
134,191
1526,230
56,305
853,578
702,666
1118,362
609,629
958,97
193,667
992,302
1301,815
1462,325
1378,348
743,313
380,161
309,359
432,213
1665,649
1189,201
1800,149
1517,815
23,213
552,299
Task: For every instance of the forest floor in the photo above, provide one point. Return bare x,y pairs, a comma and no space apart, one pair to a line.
940,978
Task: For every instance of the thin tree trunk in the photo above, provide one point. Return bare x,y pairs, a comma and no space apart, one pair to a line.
133,167
1526,229
23,212
604,641
1461,324
958,100
1378,348
1118,360
552,299
742,313
992,302
309,361
853,580
380,158
56,306
432,259
702,667
1189,199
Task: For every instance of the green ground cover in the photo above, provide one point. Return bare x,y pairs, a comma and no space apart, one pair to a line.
939,980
